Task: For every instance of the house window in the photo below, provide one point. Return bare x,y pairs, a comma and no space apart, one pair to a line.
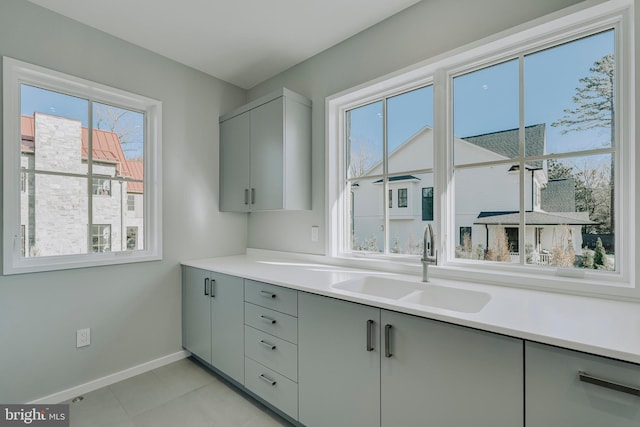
465,236
385,140
68,140
101,187
132,238
131,202
427,204
402,197
511,116
538,167
101,238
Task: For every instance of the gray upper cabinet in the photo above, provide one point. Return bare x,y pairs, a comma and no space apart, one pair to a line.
265,155
571,389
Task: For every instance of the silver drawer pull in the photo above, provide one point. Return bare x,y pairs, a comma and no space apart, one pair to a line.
268,319
267,294
267,380
268,345
612,385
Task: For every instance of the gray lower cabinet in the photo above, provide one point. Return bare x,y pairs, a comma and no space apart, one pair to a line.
213,319
270,345
362,366
338,377
571,389
435,373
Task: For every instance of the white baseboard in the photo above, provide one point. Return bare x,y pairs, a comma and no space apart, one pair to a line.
72,392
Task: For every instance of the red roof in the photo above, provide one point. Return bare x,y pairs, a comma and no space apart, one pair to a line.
106,149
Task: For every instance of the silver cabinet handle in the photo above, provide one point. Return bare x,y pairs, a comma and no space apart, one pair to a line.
267,380
246,196
387,341
253,196
267,294
268,345
206,286
370,324
612,385
268,319
213,281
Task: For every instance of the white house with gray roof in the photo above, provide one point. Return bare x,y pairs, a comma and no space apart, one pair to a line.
486,198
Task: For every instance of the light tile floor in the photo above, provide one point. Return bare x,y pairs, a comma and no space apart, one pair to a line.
182,394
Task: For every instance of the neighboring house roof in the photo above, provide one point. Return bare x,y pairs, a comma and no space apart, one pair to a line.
559,195
507,142
106,148
534,218
400,178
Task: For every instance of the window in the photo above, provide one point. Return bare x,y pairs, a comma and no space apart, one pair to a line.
101,187
427,204
101,238
69,144
131,202
132,238
402,197
465,237
389,148
527,160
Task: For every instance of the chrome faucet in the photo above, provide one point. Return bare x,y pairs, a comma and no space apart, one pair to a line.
429,253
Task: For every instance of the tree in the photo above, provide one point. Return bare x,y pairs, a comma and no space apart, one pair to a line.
124,123
600,256
594,108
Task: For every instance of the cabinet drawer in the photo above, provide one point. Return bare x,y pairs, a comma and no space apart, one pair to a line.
276,389
557,396
272,322
273,352
270,296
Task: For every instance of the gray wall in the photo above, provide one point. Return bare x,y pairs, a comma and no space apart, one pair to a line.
426,29
133,310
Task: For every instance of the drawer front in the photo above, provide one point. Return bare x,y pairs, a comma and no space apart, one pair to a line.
272,352
270,296
276,389
272,322
558,395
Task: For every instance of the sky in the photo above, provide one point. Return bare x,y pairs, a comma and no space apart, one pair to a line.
33,99
487,100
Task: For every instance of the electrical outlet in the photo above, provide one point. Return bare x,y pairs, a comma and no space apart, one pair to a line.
83,337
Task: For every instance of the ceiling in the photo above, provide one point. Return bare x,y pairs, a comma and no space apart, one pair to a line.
243,42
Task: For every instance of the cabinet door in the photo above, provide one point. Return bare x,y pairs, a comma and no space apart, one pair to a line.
267,155
196,312
338,379
446,375
234,164
555,395
227,325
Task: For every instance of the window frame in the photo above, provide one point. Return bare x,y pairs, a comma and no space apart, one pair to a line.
17,72
565,25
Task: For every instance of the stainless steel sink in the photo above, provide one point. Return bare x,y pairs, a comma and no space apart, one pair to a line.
418,293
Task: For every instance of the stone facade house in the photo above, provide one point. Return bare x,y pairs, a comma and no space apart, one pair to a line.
55,201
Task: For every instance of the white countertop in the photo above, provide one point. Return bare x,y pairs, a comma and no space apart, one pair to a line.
593,325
